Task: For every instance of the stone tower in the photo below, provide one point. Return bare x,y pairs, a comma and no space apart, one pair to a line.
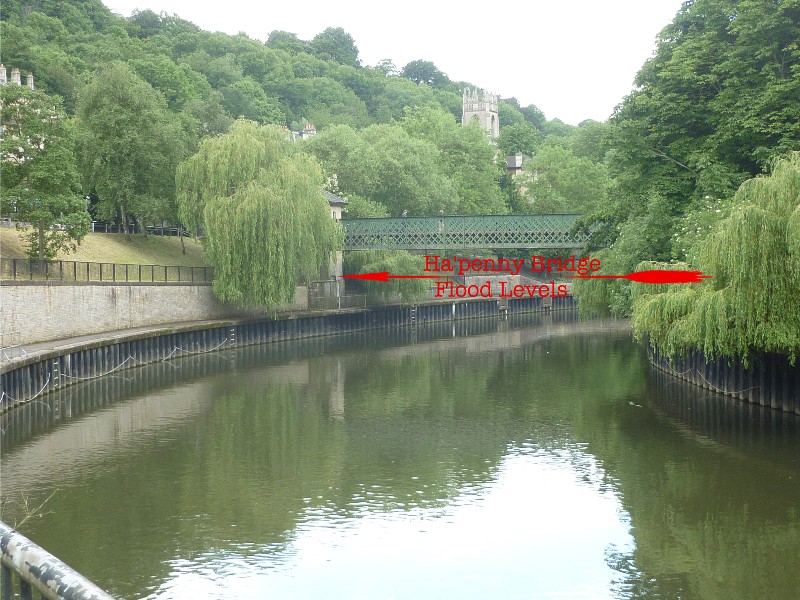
481,105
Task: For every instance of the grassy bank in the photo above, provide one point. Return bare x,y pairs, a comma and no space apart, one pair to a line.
114,248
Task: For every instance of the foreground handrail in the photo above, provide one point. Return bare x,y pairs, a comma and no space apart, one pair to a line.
40,570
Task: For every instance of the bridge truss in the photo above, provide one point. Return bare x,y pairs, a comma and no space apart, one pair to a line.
459,233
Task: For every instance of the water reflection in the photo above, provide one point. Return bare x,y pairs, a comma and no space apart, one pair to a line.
519,535
536,458
713,492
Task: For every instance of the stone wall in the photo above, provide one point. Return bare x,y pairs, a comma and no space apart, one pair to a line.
42,311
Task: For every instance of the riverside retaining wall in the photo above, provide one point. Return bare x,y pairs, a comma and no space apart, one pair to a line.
769,380
40,311
24,379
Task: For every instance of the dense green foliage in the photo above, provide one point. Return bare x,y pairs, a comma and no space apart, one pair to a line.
266,220
39,177
167,84
129,146
557,181
714,106
424,164
397,262
751,304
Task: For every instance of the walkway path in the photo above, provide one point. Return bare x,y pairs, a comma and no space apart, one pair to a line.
42,350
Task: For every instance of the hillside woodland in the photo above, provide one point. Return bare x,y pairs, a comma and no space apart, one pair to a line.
715,105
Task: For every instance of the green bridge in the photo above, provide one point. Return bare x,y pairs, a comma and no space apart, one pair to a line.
473,232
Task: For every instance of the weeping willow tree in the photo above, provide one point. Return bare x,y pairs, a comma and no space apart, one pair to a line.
260,203
752,304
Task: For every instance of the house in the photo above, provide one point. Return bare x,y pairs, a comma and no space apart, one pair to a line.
514,163
15,77
336,204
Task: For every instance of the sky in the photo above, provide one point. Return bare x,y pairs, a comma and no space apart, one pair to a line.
574,59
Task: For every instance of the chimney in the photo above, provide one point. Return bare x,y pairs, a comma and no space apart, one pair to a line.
15,76
30,80
3,75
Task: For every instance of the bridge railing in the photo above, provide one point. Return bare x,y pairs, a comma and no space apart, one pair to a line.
463,232
31,567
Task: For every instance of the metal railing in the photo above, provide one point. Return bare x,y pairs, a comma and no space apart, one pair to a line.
333,302
106,227
23,269
11,345
463,232
34,568
161,230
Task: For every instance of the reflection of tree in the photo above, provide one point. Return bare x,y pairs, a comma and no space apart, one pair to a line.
333,427
713,505
419,423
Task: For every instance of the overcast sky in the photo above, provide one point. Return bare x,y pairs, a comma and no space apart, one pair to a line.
574,59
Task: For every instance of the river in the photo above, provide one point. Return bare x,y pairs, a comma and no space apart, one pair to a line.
539,457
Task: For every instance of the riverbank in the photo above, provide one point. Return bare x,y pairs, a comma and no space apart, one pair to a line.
768,380
47,366
114,248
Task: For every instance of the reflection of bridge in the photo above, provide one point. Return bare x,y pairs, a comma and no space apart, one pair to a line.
473,232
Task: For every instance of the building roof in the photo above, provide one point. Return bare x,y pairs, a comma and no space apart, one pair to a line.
333,199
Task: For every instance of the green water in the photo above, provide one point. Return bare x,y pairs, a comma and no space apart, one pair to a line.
530,459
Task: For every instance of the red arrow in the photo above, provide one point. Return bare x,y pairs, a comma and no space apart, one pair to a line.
655,276
384,276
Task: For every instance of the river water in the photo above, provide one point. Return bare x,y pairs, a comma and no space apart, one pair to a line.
535,458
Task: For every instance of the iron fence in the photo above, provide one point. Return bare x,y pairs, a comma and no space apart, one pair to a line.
106,227
333,302
23,269
167,230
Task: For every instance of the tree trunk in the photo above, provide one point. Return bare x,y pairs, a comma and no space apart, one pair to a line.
180,235
125,223
41,240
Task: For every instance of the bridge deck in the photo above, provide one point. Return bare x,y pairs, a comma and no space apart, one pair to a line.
472,232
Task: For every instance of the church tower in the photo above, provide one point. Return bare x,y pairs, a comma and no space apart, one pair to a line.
481,105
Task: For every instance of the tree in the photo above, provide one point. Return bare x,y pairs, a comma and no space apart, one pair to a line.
424,71
170,79
344,153
399,93
336,44
361,208
247,99
534,116
467,158
593,140
40,182
523,137
325,102
557,128
260,203
283,40
209,115
750,304
395,261
409,174
717,101
559,182
129,145
387,67
509,114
